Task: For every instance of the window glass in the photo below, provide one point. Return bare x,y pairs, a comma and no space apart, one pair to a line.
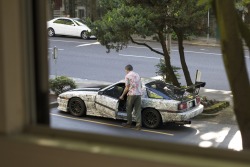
59,21
153,95
114,91
68,22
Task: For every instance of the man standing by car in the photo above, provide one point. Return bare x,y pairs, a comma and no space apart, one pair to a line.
134,92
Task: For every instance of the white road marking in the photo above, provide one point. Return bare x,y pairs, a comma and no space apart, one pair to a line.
108,124
139,56
87,44
66,41
53,48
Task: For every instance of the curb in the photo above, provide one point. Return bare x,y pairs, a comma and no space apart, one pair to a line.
215,109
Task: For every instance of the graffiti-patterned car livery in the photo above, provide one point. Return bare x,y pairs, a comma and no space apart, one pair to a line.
161,103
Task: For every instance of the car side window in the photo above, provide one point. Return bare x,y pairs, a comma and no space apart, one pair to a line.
153,95
115,91
59,21
68,22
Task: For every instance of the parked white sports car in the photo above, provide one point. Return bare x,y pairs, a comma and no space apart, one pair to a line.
161,103
68,26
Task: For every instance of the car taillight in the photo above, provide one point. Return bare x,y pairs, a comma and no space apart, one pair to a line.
198,100
182,106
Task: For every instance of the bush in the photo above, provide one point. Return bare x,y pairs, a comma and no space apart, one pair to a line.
162,71
61,84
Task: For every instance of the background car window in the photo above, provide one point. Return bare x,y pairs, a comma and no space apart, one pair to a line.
69,22
60,21
77,22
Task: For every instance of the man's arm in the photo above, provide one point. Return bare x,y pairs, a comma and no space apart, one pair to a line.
125,91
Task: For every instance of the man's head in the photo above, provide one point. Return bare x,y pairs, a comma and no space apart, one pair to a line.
128,68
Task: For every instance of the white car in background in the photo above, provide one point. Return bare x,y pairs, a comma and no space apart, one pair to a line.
68,26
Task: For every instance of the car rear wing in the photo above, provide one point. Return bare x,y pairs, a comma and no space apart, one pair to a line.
192,89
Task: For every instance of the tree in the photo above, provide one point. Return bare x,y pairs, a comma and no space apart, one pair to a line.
186,15
146,18
232,32
124,19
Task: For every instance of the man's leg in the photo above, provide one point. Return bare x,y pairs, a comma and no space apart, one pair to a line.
137,105
129,109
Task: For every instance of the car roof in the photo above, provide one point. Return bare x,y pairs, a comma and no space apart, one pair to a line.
143,80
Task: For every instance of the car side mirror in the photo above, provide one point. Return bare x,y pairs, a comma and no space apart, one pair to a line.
100,93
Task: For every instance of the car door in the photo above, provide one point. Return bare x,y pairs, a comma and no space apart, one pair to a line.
70,28
59,26
107,101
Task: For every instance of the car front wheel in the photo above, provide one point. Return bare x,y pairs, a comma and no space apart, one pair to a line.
77,107
84,35
151,118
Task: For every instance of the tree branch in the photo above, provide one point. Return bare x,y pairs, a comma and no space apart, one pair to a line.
144,44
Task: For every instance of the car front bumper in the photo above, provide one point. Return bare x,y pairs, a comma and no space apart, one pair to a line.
62,104
183,116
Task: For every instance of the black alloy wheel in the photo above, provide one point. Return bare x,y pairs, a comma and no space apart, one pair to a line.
77,107
151,118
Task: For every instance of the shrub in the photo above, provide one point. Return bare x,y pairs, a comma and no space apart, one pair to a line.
162,71
61,84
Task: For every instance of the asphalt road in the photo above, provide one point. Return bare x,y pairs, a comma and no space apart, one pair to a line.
87,59
199,133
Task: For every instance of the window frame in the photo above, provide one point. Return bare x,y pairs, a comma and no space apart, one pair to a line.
32,132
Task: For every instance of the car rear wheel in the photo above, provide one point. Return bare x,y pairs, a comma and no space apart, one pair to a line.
77,107
84,35
51,32
151,118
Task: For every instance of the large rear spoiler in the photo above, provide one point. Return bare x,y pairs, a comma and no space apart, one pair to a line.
193,89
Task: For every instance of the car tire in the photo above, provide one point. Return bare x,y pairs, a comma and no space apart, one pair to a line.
151,118
84,35
51,32
77,107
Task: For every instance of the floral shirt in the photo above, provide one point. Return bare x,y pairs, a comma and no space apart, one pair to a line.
134,81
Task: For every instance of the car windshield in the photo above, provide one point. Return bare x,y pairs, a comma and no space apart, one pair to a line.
79,22
164,89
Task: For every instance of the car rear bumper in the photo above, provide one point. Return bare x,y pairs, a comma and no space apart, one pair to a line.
173,117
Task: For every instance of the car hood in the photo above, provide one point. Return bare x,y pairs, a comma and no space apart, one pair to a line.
80,92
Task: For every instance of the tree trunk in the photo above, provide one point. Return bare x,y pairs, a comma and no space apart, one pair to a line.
234,61
179,34
72,8
167,60
51,9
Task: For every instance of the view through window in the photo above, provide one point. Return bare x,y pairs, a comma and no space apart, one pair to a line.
79,60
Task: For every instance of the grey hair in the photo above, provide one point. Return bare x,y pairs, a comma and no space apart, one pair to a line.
129,67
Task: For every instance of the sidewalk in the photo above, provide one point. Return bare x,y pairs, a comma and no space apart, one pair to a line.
201,41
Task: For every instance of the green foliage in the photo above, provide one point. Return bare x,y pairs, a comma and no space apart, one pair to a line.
117,25
162,71
61,84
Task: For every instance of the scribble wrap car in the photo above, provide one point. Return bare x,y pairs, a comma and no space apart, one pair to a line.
161,103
